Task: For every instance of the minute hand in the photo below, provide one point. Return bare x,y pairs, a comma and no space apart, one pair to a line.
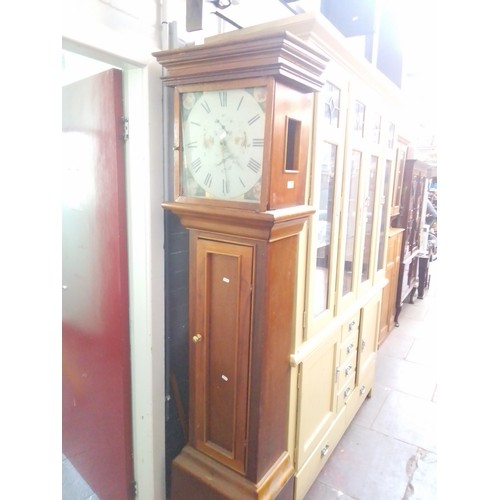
226,132
224,159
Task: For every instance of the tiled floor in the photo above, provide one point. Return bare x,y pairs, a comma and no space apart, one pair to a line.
389,450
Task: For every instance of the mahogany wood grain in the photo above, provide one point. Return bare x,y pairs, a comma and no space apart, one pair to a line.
242,303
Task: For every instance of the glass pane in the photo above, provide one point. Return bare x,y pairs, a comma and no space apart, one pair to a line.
377,121
324,235
331,96
351,221
359,118
385,213
392,131
369,208
398,181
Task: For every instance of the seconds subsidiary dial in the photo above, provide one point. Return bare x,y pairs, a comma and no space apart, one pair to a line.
223,143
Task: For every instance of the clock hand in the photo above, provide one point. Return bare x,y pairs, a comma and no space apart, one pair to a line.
223,161
224,158
223,128
226,148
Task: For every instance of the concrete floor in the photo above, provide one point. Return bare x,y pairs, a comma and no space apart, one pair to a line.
389,451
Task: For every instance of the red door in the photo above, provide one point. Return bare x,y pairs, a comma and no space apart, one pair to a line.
96,391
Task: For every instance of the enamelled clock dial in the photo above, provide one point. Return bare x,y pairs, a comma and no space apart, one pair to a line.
223,143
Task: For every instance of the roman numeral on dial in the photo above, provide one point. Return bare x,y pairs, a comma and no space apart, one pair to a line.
208,180
196,165
253,165
205,106
253,119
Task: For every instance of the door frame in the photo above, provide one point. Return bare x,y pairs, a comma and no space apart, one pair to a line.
142,92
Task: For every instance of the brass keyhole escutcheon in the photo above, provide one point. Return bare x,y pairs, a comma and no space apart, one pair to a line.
197,338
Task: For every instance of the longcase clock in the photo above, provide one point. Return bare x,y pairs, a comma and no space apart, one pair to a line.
242,120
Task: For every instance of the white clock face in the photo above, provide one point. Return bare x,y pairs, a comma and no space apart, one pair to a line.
223,143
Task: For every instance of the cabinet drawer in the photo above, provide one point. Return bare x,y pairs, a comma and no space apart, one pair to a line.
346,392
318,458
349,347
350,327
366,378
364,386
347,369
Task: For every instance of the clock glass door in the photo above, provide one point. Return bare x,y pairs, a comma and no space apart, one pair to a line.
222,141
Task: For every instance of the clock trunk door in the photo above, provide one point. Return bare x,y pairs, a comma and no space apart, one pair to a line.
220,349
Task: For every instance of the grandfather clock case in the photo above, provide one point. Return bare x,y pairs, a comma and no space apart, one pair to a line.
243,255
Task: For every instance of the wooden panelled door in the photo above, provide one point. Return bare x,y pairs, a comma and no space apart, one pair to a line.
96,390
220,355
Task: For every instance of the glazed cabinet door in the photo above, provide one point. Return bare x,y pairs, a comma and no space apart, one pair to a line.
369,234
347,261
326,190
398,178
384,223
219,349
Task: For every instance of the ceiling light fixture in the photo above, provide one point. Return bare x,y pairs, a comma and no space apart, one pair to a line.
221,4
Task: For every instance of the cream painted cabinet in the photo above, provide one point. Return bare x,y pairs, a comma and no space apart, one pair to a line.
334,380
343,247
350,186
326,383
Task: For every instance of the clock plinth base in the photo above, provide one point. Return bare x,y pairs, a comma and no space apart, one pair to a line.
194,475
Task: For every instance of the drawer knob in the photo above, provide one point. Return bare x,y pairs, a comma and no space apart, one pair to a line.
348,370
324,450
362,390
350,347
347,392
352,324
197,338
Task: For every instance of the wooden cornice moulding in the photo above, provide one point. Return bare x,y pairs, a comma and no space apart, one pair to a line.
319,32
268,226
314,29
278,54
